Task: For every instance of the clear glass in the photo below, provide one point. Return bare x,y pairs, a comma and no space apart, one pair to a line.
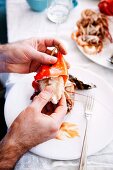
59,10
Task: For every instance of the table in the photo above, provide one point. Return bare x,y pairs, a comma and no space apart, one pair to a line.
24,23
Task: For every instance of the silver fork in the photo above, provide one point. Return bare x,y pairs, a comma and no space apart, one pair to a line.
88,114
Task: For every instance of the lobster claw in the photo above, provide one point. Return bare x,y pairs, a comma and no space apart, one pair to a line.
55,70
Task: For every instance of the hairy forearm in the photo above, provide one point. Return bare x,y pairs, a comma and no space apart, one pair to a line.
10,153
2,58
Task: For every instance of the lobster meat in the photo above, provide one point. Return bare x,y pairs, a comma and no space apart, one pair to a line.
56,76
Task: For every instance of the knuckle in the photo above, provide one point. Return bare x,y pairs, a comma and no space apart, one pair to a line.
54,128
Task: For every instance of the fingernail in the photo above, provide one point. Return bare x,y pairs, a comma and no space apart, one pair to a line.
53,59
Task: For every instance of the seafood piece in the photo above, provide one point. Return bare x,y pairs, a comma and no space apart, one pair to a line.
52,75
111,60
70,94
88,40
80,85
55,70
67,130
87,14
92,49
92,31
55,76
57,85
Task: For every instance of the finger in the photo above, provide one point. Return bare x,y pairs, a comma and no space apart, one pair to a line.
43,98
54,42
34,66
60,111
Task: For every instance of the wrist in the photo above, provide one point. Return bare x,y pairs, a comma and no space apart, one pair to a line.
10,152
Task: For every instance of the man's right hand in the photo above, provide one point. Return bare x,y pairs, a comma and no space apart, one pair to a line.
31,127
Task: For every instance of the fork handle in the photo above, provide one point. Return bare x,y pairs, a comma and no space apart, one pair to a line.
83,158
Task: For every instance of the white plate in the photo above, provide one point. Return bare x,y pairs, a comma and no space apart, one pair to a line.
101,125
101,58
107,51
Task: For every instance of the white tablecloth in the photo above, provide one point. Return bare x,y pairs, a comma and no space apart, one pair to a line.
24,23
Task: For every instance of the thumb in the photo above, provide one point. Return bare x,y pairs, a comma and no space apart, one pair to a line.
43,58
43,98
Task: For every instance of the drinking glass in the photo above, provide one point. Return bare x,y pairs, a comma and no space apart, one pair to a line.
59,10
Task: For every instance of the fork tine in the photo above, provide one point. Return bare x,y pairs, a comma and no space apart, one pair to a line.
89,103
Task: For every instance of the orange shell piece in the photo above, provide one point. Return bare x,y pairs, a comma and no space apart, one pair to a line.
55,70
67,130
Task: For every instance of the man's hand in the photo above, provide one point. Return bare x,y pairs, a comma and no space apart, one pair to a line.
30,128
26,56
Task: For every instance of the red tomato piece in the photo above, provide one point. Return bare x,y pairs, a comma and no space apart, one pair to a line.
111,7
106,7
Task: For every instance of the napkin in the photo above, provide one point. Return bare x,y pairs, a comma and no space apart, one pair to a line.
102,160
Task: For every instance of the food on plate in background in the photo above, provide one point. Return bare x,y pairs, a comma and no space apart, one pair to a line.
92,31
67,130
111,60
80,85
106,7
